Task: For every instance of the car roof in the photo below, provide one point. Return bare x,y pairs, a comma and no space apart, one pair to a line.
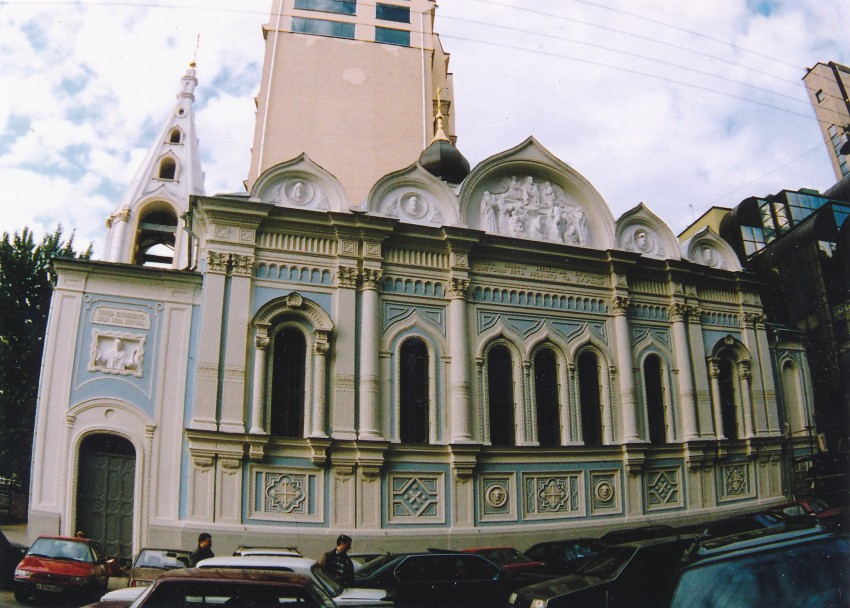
753,541
258,561
235,574
474,549
76,539
163,549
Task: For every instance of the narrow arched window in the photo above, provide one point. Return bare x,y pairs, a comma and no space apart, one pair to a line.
414,389
288,375
728,398
167,168
590,399
546,396
654,395
157,234
175,136
500,389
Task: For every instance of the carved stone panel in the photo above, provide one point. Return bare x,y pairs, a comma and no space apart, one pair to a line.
735,481
117,353
497,497
530,208
558,495
416,499
286,494
663,488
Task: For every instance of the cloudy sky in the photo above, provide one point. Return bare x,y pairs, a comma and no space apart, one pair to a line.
678,104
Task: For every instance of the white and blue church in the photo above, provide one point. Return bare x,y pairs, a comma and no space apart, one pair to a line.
444,356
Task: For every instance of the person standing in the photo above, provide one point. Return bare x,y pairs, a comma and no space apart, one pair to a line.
337,563
203,551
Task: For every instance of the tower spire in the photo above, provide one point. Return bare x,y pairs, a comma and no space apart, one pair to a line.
147,228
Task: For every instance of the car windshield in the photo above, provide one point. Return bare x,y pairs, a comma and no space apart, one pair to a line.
803,575
57,548
375,565
162,558
608,563
331,586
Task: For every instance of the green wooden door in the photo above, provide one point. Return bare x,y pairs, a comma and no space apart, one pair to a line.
106,476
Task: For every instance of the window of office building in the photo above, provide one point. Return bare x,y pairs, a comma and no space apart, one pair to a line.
340,7
322,27
391,36
391,12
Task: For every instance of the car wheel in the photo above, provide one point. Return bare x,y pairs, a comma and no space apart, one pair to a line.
21,595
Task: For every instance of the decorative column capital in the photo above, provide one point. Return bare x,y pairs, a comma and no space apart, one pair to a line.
347,276
713,368
458,287
753,320
261,341
744,368
122,215
371,278
678,312
217,262
321,347
620,305
242,265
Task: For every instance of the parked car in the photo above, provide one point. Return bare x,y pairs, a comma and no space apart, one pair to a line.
61,567
342,596
633,575
444,578
231,588
809,505
291,551
10,554
151,563
565,556
769,567
630,535
509,558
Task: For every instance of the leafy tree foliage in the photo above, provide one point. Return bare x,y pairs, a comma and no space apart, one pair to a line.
26,285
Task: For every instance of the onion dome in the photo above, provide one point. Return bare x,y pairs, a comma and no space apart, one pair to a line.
442,159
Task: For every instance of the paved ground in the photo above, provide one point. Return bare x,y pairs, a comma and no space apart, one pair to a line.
17,533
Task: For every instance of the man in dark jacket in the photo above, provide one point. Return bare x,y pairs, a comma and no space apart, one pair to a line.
203,551
337,563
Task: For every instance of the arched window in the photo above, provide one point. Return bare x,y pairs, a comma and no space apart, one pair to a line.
175,136
167,168
654,394
288,375
590,397
414,388
546,394
727,378
500,389
156,240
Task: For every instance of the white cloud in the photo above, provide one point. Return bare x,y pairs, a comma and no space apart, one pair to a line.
102,79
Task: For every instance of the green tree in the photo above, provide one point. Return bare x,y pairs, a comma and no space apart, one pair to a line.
26,285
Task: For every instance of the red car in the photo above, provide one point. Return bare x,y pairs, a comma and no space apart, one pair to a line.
61,567
508,558
810,506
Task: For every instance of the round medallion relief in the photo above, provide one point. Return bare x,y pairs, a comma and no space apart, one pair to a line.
497,496
299,193
414,205
604,491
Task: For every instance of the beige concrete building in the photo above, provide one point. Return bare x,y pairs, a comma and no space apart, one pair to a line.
354,85
828,85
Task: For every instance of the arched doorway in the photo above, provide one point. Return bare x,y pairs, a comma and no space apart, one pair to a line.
105,483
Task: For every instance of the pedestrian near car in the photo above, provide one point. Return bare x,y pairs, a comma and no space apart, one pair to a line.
337,563
204,549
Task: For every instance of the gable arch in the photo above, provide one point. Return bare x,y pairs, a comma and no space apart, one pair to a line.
302,184
641,231
709,249
415,196
527,192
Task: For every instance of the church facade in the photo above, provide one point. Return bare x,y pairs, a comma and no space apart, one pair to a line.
443,363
